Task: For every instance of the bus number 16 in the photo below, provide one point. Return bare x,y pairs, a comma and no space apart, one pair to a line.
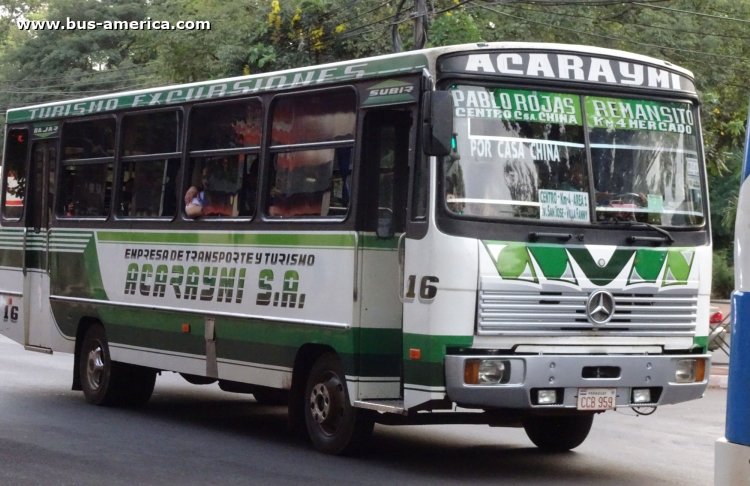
427,290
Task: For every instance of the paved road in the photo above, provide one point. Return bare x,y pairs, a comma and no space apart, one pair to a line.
200,435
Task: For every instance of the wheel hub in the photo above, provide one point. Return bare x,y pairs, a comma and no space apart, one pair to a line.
326,400
320,403
95,367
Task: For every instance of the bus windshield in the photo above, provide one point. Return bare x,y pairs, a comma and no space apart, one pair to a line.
525,154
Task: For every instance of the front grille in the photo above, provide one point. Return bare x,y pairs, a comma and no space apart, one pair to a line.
504,312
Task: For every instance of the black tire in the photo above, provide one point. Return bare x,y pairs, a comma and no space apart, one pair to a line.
138,386
333,425
108,383
198,380
270,396
558,433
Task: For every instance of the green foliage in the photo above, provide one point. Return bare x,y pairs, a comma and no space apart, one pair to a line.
223,50
454,28
10,12
723,275
50,64
723,190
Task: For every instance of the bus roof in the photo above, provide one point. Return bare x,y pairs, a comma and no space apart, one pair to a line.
372,67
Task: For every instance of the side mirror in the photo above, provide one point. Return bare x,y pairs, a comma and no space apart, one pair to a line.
385,224
437,119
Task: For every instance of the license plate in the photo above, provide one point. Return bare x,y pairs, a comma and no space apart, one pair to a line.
596,398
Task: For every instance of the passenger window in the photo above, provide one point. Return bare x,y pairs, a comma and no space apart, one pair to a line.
232,125
150,165
85,190
151,133
149,188
223,186
14,173
224,142
88,149
89,139
311,183
305,179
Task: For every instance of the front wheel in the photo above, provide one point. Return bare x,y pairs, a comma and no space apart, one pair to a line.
333,425
558,433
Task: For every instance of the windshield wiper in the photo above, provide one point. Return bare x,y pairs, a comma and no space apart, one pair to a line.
665,238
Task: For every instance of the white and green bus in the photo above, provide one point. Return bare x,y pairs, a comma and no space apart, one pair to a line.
509,234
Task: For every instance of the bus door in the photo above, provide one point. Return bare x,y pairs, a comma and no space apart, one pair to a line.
41,171
12,233
383,194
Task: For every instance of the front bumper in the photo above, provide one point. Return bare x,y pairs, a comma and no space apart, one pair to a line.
568,373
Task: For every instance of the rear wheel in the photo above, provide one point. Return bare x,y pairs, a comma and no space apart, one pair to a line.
333,425
558,433
105,382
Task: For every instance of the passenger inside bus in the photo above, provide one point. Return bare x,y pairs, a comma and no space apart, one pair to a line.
194,202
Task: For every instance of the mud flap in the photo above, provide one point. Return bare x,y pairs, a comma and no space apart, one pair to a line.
212,368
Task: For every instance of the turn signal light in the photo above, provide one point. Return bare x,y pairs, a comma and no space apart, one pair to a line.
690,370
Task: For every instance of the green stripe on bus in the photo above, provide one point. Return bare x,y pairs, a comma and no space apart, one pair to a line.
701,342
424,373
429,370
364,352
338,240
371,242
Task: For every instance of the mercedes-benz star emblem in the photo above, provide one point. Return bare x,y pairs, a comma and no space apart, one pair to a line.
600,307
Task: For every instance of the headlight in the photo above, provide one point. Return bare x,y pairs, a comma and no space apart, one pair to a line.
486,371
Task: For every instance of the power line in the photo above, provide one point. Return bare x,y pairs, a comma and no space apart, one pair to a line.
87,82
68,77
589,3
77,93
616,38
659,27
352,32
352,17
689,12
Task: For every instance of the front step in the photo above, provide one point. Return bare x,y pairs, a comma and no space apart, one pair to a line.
385,406
37,349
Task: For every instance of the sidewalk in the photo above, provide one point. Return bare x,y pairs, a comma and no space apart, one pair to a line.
718,378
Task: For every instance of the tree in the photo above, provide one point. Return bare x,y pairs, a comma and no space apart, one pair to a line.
51,64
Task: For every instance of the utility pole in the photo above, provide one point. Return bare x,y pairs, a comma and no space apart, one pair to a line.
421,25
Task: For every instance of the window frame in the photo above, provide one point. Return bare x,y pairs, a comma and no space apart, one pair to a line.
191,155
273,150
122,160
63,163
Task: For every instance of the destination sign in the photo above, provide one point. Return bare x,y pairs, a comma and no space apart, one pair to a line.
569,67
